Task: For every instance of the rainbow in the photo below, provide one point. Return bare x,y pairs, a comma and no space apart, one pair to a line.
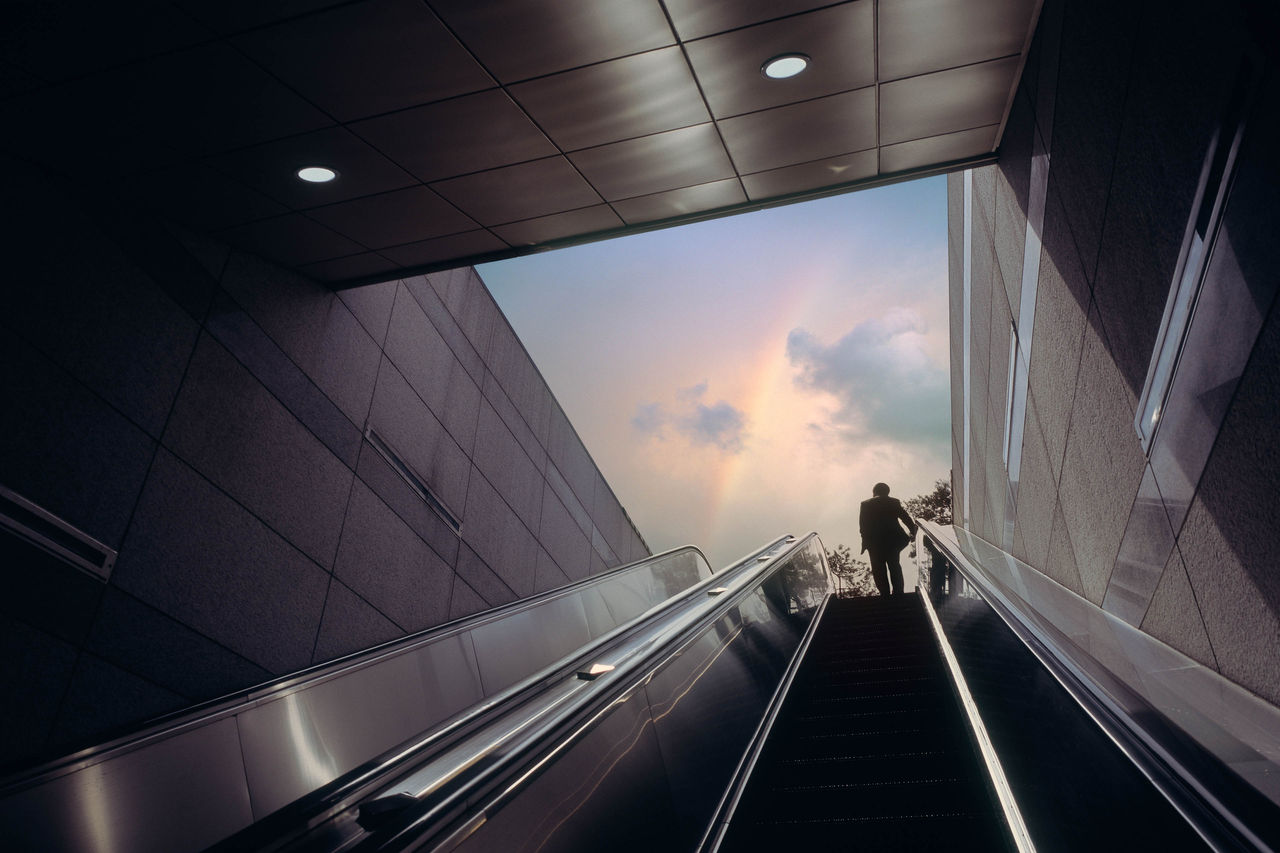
764,376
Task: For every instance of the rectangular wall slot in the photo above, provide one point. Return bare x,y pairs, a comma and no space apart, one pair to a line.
1216,177
49,533
415,482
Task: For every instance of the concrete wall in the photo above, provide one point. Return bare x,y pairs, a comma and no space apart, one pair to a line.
1179,540
203,412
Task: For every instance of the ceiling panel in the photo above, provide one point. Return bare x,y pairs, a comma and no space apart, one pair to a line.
458,136
352,266
60,39
233,16
272,168
937,149
75,128
393,218
367,59
15,81
933,104
586,220
838,40
520,39
807,177
201,197
697,18
292,240
208,99
663,161
519,192
681,202
641,94
812,130
426,252
462,130
919,36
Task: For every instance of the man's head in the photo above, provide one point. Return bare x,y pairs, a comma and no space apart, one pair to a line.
880,490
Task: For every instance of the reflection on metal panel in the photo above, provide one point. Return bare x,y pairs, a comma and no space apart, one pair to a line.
1152,689
628,597
708,701
182,793
153,791
599,619
310,737
451,676
513,648
686,726
605,792
967,355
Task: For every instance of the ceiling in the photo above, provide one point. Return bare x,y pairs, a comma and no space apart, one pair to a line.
464,130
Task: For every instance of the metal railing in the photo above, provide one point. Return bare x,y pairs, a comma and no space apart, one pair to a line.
504,784
188,780
1209,747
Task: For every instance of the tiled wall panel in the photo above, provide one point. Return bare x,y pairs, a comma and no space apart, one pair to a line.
1175,544
203,412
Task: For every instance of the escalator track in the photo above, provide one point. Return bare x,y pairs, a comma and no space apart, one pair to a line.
870,745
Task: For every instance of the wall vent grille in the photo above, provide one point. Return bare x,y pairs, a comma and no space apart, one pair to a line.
46,531
409,476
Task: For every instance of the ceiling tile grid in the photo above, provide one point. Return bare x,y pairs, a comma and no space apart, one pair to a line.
462,130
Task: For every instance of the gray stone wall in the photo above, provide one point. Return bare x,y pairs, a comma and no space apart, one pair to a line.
203,412
1125,103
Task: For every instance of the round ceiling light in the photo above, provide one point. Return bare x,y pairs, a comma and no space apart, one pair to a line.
317,174
784,66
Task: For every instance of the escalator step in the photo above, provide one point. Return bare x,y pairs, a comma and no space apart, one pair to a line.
870,749
935,831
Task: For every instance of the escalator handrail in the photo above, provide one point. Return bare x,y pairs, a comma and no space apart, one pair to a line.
229,704
521,698
714,834
1108,705
637,656
1014,822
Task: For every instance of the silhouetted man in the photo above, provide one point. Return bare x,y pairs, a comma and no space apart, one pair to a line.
883,538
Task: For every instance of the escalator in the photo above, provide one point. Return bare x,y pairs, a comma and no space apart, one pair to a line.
742,710
288,750
872,744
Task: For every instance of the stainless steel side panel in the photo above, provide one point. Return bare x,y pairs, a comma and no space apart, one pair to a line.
707,702
241,761
630,595
678,572
599,620
604,791
519,645
648,773
180,794
308,738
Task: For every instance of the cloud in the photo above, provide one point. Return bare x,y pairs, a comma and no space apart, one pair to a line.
693,392
719,425
886,386
649,418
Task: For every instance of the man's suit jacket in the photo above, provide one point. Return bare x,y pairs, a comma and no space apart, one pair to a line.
878,524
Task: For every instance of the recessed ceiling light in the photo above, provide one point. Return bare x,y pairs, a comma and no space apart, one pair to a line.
786,65
317,174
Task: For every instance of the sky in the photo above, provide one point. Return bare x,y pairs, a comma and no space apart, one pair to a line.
754,375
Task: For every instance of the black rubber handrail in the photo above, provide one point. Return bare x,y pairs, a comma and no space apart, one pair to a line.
353,790
229,704
486,785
